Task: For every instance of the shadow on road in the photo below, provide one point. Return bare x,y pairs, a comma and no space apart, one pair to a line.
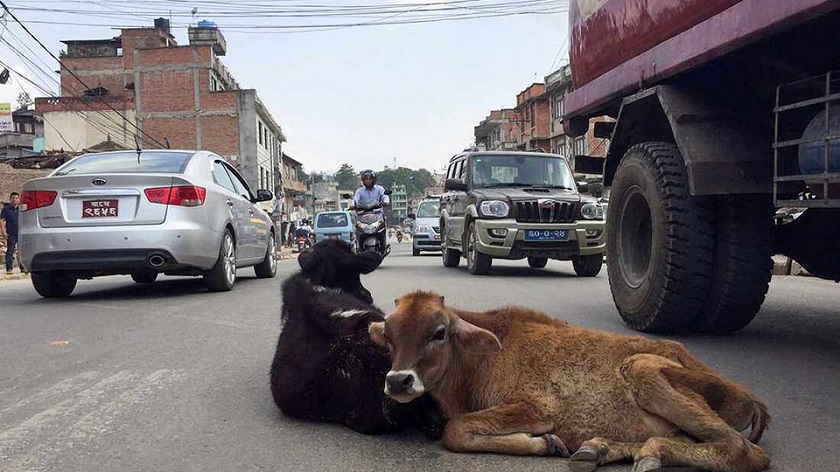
160,289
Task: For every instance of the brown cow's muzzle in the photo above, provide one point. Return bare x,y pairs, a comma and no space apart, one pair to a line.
403,385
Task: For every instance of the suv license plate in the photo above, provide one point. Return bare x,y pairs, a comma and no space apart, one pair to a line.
100,208
546,235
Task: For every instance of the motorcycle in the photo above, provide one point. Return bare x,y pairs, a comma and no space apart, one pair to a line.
370,230
399,236
304,241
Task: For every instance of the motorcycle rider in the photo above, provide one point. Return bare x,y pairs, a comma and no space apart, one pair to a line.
369,193
305,231
368,196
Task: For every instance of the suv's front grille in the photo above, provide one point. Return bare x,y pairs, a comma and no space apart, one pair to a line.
535,211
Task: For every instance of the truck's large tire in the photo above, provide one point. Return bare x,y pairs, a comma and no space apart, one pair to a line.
743,262
660,241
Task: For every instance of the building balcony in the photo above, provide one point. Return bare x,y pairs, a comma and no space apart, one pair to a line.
208,35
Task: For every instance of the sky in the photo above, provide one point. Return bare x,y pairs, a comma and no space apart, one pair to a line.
370,96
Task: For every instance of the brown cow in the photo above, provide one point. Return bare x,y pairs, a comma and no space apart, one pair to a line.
516,381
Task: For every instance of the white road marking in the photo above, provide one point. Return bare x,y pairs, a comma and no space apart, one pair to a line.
78,421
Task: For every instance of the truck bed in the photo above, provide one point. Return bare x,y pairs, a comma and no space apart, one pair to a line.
622,46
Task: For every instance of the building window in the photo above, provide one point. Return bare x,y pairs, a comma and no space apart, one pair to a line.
260,131
558,107
579,146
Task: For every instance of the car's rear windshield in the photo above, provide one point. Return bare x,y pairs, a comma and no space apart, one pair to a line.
331,220
148,162
428,210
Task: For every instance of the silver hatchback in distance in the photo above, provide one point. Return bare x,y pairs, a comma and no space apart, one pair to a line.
146,213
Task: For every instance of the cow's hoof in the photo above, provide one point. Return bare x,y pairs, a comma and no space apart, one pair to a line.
585,459
555,446
647,464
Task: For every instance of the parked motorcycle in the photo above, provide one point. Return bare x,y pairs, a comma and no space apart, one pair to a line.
370,230
399,236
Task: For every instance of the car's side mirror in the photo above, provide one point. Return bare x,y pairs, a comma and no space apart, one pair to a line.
264,195
456,185
583,187
388,192
412,216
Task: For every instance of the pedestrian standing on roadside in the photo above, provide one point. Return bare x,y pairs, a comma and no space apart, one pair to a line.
9,228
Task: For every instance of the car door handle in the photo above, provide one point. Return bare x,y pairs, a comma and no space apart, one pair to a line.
230,203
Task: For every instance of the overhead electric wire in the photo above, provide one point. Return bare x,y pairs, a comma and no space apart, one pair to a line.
3,4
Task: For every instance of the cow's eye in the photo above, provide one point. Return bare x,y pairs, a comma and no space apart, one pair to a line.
440,334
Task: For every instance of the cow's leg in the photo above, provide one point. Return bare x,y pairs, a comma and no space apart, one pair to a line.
722,448
517,429
733,403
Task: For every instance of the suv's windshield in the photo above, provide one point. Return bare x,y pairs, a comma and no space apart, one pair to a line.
128,163
428,210
521,171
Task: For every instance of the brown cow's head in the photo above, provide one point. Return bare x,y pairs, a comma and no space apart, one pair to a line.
425,339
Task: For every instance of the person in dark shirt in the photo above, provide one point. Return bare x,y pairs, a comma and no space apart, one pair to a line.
9,228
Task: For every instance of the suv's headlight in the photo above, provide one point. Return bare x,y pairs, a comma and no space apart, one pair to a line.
592,211
495,208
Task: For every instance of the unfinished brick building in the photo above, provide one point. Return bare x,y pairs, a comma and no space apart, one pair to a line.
181,97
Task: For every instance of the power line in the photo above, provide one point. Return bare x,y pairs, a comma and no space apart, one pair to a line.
76,76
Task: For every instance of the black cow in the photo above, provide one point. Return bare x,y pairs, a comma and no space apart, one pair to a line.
326,367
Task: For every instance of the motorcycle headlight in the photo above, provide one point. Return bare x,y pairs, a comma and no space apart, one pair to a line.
371,228
494,208
592,211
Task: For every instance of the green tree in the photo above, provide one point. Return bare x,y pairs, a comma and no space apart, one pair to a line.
414,180
347,177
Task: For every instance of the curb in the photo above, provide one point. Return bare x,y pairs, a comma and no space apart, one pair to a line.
13,276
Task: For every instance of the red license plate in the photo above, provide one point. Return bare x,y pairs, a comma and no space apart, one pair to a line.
100,208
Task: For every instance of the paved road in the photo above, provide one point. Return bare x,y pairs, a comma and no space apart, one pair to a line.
167,377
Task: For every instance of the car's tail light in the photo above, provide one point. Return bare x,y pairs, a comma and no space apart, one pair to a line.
33,199
185,195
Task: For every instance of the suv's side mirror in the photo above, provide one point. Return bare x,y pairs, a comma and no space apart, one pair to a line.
264,195
456,185
412,216
583,187
388,192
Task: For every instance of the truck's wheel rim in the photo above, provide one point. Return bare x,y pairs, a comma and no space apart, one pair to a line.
635,237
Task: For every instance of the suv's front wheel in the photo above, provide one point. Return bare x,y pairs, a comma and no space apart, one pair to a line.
477,263
588,266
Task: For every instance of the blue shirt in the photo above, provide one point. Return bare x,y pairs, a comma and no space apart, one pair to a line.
367,198
10,214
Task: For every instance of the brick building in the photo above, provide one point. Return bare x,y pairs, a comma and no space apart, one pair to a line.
558,84
535,119
182,97
499,131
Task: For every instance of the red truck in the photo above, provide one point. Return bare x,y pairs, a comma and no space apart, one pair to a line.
725,111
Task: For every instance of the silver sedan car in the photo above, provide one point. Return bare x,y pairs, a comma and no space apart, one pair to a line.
143,213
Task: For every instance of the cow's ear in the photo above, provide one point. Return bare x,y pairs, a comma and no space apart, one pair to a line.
367,262
304,257
475,339
377,333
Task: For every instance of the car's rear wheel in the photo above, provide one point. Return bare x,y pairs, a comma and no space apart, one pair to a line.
53,284
537,262
450,257
144,276
588,266
477,262
222,276
268,267
415,251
